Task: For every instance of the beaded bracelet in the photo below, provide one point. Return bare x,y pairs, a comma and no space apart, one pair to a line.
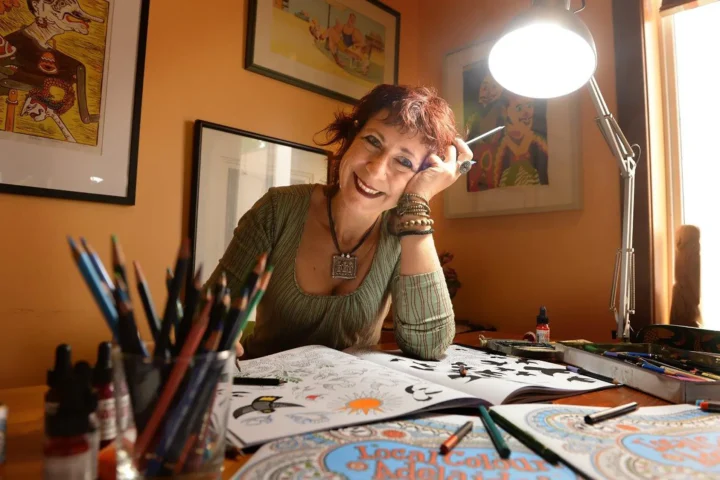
416,232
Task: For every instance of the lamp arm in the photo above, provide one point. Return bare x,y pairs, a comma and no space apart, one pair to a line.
623,152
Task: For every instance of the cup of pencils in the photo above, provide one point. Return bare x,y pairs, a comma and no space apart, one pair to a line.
179,391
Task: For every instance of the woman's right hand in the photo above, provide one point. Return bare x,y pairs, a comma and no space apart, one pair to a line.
239,350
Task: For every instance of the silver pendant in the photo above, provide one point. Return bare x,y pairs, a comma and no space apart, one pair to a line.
344,266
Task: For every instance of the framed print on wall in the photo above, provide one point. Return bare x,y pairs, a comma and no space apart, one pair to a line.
232,169
532,165
71,75
337,48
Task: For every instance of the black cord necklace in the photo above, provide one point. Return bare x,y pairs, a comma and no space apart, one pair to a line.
344,265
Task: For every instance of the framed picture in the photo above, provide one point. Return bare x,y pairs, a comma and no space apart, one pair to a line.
531,165
71,75
338,48
232,169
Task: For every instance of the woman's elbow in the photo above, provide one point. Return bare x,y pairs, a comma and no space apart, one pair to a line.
427,345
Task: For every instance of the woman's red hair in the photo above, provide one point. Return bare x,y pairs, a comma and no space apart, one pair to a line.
415,110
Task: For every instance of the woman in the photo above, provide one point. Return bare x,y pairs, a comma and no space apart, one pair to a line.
387,157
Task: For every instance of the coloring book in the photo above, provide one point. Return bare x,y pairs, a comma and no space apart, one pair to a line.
326,388
670,442
398,449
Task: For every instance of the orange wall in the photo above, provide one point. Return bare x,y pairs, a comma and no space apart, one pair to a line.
504,262
194,70
510,265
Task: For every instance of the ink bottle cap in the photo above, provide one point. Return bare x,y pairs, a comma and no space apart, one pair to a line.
542,317
102,373
63,366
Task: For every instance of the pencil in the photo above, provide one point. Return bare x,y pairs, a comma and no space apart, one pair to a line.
118,259
219,308
147,302
178,303
262,286
191,300
593,418
171,314
455,438
233,317
102,298
527,439
176,376
494,433
127,328
98,264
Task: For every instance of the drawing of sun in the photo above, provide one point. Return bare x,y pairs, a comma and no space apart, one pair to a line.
367,403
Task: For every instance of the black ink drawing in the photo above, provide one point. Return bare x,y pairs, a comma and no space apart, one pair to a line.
490,362
524,361
423,366
422,393
503,369
580,379
266,404
548,371
524,374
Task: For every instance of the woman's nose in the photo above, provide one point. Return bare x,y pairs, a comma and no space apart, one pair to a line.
377,166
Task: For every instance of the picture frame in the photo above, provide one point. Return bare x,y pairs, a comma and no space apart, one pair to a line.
70,110
232,169
337,48
532,165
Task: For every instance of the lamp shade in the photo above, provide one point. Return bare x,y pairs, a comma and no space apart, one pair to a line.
545,52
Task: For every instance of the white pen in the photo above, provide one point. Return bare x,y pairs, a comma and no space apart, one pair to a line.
486,134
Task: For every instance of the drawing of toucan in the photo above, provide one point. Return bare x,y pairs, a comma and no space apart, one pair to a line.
263,405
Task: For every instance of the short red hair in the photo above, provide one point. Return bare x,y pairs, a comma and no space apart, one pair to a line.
416,110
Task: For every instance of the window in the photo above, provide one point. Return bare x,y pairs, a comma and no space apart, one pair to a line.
692,84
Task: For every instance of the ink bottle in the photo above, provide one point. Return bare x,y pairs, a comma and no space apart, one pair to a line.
82,383
103,385
67,453
61,374
542,327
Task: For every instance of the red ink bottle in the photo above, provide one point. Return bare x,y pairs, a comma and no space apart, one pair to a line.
57,377
67,451
104,388
89,404
542,328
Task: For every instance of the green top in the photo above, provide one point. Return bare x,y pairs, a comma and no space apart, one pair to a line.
287,317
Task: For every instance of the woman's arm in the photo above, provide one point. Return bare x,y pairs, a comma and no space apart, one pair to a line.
424,321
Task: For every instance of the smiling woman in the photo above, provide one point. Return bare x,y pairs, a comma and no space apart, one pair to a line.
342,253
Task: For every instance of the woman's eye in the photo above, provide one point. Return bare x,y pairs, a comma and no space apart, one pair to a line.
405,162
372,140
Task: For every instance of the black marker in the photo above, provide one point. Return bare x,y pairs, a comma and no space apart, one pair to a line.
602,415
256,381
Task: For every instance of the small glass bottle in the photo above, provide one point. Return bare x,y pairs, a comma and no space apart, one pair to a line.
67,453
103,385
542,327
56,378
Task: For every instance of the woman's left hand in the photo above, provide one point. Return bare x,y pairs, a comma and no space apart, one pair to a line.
439,174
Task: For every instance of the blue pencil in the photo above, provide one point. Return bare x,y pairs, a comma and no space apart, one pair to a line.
95,284
97,264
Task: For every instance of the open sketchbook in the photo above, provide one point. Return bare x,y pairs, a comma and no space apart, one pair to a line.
398,449
671,442
326,388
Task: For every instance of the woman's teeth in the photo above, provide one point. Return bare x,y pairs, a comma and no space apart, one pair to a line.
365,188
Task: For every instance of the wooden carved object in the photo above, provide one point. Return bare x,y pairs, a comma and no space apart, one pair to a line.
685,307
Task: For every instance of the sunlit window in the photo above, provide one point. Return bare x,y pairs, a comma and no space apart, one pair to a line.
697,71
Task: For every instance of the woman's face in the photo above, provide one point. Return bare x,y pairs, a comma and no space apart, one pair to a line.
379,164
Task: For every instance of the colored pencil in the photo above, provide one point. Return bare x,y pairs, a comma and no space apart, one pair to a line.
232,319
455,438
219,308
175,378
163,345
118,259
102,298
527,439
494,433
245,316
98,264
191,300
178,302
130,341
148,306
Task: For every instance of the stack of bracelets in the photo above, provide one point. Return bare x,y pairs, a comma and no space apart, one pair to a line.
413,213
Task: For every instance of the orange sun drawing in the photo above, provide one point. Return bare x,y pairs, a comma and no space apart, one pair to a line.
367,403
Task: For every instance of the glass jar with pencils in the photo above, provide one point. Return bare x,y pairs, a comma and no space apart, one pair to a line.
172,414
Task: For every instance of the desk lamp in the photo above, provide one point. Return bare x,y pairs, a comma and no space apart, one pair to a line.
551,43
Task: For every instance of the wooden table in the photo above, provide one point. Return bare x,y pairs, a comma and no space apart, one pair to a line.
25,417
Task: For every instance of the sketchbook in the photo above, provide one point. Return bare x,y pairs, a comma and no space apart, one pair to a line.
398,449
326,388
673,442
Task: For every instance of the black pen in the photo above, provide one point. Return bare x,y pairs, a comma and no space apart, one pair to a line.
602,415
257,381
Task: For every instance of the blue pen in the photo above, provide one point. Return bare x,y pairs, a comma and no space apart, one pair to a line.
652,367
95,284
